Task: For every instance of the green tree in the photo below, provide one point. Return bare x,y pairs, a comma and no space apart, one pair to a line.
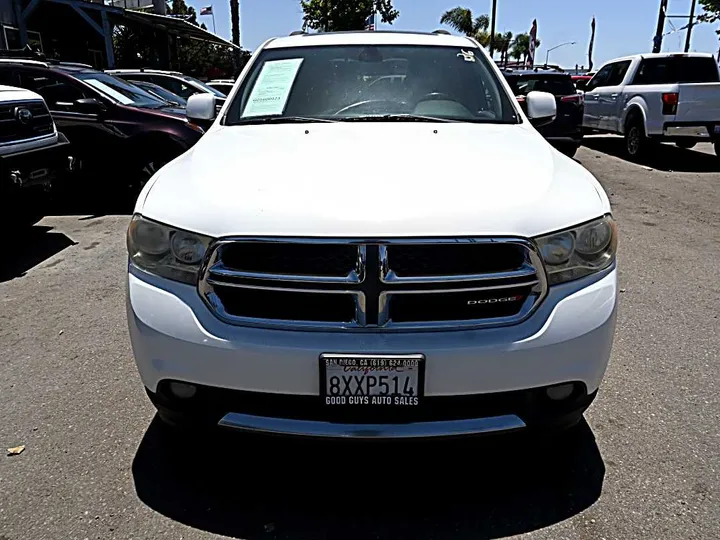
521,47
712,12
340,15
137,47
462,20
502,45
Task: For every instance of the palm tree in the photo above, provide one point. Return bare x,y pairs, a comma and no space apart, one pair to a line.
521,47
502,42
461,19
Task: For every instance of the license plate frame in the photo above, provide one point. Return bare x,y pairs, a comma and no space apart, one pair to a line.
373,363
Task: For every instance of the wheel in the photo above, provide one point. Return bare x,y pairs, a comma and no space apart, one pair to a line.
148,167
636,142
569,149
687,145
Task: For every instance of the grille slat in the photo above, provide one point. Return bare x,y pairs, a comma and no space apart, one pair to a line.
420,260
375,285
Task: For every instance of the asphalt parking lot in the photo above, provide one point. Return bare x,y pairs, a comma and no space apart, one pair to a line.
97,465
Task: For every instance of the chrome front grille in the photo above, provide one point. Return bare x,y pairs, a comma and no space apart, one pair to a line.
17,128
378,285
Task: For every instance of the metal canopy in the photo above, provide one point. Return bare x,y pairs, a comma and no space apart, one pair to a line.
173,25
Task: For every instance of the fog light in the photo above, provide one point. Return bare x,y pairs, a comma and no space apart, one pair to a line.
182,390
560,392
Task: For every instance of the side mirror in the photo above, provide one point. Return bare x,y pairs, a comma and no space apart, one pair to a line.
201,107
89,106
580,85
541,108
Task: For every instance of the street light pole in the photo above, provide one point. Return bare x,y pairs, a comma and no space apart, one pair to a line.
547,55
690,26
493,16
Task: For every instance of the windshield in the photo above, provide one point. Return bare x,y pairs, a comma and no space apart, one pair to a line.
161,92
210,89
677,69
119,90
357,82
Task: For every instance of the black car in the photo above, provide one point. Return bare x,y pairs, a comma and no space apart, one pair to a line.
116,128
565,133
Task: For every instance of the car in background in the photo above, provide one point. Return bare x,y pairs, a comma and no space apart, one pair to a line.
565,132
653,98
178,83
580,81
222,85
32,152
113,125
161,93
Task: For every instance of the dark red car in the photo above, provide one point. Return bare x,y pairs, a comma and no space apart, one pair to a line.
115,128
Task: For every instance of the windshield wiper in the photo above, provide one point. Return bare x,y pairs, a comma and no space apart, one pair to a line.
280,120
395,118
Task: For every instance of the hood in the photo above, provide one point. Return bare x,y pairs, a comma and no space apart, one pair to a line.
373,180
169,111
13,93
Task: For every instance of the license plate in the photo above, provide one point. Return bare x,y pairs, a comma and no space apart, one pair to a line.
354,380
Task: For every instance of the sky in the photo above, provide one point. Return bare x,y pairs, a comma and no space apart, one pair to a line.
624,27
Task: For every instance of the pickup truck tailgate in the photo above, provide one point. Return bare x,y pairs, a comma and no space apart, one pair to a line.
699,102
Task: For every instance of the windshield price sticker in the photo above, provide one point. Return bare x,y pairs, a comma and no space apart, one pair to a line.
372,380
272,88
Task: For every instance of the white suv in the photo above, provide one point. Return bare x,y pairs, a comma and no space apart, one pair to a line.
372,240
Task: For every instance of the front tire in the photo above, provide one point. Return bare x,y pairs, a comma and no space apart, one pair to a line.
636,142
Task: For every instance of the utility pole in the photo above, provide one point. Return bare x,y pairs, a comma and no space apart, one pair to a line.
493,16
690,26
657,40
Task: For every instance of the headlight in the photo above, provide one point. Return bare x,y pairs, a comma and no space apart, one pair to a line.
165,251
580,251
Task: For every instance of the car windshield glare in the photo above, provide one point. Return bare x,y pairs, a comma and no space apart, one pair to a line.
210,89
120,90
377,82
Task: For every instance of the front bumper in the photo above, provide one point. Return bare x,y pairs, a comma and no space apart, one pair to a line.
470,374
37,166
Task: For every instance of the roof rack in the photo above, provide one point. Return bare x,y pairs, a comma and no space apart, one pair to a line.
298,33
24,61
70,64
441,32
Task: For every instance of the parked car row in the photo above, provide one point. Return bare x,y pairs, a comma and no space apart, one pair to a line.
129,125
647,98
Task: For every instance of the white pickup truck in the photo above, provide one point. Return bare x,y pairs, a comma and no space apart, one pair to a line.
670,97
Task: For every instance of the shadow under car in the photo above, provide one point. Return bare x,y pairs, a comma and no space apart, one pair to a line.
251,486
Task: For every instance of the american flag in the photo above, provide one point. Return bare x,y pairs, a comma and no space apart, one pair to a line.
206,10
533,41
370,23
